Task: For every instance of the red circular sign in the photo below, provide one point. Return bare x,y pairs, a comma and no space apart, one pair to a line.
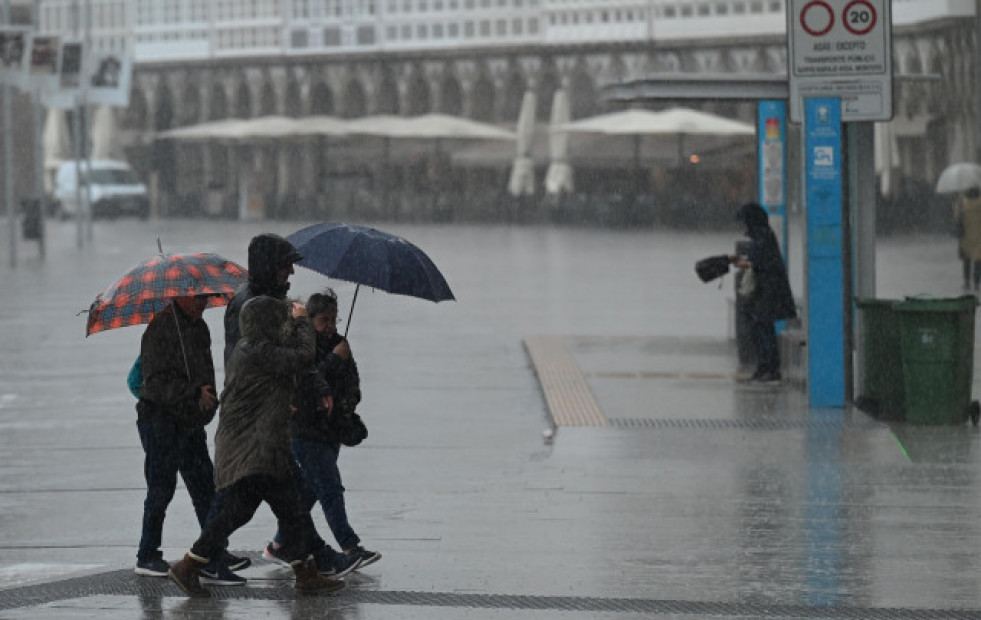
810,18
859,17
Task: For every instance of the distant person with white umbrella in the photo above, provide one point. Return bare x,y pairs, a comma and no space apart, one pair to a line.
964,178
967,213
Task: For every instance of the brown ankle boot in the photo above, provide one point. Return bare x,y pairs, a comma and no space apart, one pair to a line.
185,574
310,581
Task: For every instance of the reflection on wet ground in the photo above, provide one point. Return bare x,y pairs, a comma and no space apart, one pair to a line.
699,498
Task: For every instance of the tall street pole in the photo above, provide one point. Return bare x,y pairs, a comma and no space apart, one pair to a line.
38,111
8,160
977,81
84,110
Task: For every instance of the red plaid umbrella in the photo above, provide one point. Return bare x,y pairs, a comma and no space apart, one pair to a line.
148,287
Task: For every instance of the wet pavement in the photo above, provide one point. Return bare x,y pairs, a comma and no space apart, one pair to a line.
691,497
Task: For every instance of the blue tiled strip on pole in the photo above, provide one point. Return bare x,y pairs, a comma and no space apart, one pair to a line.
825,301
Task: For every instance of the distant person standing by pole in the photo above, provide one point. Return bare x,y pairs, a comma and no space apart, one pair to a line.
770,298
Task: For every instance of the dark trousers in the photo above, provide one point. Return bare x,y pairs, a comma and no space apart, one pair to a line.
241,500
171,449
967,265
764,335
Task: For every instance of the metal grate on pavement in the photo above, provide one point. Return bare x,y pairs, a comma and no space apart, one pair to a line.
125,583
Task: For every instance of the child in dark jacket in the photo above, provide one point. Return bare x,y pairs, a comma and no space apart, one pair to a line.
316,442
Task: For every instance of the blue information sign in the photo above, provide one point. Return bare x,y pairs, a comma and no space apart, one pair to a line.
771,131
825,287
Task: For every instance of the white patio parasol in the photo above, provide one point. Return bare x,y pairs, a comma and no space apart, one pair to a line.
522,181
558,179
959,177
56,140
105,134
675,122
886,153
225,129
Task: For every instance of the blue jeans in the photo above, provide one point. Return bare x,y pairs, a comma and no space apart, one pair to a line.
171,449
317,478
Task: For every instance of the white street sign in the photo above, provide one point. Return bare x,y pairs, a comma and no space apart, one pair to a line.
841,48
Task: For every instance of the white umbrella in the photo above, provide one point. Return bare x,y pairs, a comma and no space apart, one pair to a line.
225,129
886,153
558,179
959,177
56,141
676,122
444,127
522,181
326,126
105,143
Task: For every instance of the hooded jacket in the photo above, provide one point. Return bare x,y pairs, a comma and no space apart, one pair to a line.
268,254
253,436
773,299
169,386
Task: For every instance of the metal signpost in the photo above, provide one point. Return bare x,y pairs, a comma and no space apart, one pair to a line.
841,48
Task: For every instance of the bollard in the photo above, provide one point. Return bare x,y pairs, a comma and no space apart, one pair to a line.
31,224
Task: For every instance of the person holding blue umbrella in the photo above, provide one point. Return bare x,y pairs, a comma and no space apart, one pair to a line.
318,433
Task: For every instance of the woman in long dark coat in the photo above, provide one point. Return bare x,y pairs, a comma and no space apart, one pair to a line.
771,300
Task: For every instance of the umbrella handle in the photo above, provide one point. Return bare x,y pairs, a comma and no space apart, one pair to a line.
187,368
351,313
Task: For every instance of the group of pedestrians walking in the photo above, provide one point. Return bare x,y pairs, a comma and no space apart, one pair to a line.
288,374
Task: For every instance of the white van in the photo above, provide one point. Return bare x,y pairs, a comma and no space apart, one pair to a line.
114,189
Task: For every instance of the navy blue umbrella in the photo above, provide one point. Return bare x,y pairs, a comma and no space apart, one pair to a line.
367,256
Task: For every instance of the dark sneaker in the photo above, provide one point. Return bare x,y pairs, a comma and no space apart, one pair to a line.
271,554
217,574
156,567
322,558
236,563
367,557
336,564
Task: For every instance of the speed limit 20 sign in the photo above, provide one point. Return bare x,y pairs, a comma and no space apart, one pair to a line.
841,48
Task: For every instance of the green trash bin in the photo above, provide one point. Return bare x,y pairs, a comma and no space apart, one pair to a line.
937,341
882,392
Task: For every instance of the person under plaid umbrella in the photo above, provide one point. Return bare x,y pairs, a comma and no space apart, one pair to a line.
177,395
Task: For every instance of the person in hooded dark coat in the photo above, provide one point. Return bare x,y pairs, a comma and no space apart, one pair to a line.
271,260
772,299
252,444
